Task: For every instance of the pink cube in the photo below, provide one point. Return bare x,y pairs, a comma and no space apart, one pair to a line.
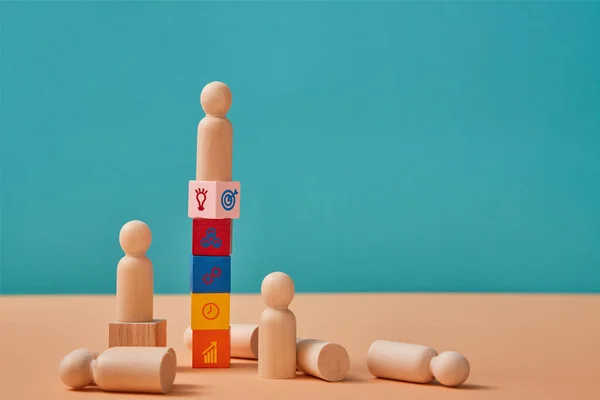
214,200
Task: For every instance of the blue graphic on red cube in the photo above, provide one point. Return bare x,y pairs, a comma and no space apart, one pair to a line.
210,274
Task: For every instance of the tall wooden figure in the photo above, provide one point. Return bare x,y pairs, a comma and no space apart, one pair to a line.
277,327
213,203
135,325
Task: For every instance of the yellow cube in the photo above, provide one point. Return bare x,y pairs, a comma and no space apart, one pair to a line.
210,311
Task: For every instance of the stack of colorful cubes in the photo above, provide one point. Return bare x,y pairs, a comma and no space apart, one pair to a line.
213,204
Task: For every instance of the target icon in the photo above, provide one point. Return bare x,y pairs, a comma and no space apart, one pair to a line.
228,199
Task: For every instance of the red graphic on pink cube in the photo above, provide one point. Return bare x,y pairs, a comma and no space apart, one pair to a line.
214,199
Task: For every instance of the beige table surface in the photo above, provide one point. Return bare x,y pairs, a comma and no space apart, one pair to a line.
519,346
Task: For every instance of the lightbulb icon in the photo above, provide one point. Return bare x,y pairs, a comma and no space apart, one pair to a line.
201,198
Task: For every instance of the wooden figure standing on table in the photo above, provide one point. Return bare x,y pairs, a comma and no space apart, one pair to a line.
277,327
134,325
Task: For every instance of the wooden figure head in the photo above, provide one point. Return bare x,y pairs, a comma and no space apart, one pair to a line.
277,290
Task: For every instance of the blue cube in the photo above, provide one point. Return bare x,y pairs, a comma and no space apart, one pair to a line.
210,274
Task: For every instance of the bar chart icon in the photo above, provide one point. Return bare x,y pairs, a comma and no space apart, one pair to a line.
210,354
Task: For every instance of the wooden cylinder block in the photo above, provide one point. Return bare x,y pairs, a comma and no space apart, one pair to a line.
321,359
244,341
400,361
136,369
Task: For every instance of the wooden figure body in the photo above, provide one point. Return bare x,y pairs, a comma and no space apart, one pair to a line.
135,274
215,134
416,363
277,329
121,369
321,359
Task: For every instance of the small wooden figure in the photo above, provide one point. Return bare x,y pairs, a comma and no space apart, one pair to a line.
121,369
215,134
135,274
321,359
277,327
135,325
416,363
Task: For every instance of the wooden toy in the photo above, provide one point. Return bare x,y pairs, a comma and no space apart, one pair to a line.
145,334
135,274
215,134
135,325
321,359
277,329
211,348
214,199
318,358
450,368
210,311
211,237
244,341
75,368
416,363
210,274
121,369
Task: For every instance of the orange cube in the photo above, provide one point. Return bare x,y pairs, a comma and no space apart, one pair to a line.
211,348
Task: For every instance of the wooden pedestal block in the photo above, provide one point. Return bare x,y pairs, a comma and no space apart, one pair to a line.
141,334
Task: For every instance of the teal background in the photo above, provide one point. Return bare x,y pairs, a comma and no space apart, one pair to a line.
389,146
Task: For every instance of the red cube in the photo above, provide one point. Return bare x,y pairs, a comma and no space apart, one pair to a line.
211,237
211,349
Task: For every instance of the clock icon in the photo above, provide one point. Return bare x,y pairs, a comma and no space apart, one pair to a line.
210,311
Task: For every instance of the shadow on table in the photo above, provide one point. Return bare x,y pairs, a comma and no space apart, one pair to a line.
234,365
244,365
465,386
349,379
177,390
472,386
185,389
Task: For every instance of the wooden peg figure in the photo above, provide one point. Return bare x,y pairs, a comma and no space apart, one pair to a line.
121,369
135,275
416,363
215,134
277,327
